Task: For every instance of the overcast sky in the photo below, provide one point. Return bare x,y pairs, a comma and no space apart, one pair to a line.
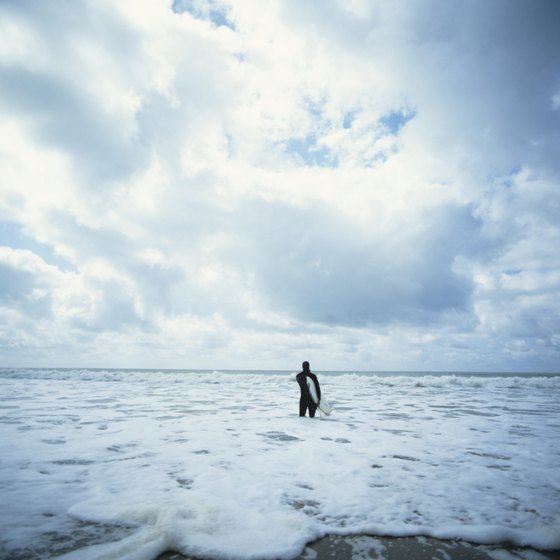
368,185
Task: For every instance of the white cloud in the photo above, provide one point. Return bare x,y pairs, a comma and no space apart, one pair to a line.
241,183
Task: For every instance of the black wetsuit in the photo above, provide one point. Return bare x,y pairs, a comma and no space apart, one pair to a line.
305,400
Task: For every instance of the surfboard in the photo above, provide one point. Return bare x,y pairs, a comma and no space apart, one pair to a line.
322,404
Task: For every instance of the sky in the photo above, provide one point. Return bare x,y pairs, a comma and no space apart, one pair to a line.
233,184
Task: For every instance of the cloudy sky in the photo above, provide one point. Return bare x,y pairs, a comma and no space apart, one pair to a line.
368,185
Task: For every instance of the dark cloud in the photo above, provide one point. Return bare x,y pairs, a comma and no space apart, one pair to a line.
319,267
56,102
89,242
25,290
496,75
111,308
60,116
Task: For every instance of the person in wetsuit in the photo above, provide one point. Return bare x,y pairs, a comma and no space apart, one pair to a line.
305,401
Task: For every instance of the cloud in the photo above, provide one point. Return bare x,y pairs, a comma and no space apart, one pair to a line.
325,270
25,282
234,184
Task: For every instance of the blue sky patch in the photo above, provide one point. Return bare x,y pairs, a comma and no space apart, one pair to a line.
210,11
349,118
312,154
395,120
12,235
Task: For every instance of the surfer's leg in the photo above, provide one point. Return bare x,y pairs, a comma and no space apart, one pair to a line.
302,406
312,409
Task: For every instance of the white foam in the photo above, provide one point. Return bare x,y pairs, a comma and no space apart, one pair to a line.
219,465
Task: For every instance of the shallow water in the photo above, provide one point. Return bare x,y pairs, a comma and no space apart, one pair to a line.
128,464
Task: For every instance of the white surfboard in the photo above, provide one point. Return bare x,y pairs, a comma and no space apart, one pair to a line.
322,404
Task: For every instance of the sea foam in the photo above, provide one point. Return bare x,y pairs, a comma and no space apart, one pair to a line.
103,464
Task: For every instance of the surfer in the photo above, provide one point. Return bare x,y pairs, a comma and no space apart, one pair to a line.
305,400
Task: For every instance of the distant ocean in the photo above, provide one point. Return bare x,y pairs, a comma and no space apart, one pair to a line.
116,464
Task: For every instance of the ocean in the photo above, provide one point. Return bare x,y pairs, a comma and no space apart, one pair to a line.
126,464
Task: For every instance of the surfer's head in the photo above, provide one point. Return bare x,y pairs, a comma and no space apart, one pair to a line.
305,366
